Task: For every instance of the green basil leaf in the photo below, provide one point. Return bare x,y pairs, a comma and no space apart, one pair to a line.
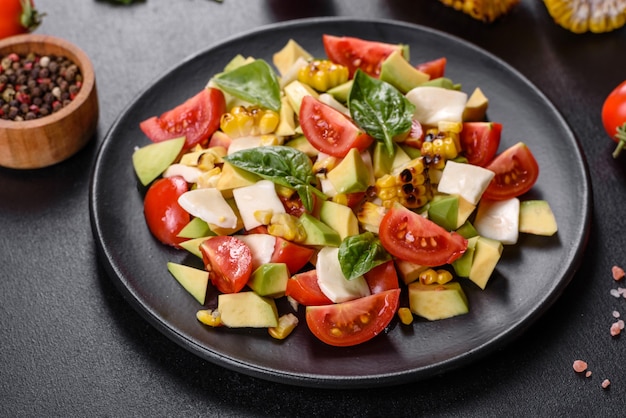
255,82
358,254
379,109
282,165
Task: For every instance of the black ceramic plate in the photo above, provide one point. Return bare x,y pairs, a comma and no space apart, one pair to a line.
529,278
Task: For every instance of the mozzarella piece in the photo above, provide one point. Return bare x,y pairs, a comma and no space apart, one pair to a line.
259,196
434,104
245,142
190,174
209,205
467,180
498,219
261,247
331,280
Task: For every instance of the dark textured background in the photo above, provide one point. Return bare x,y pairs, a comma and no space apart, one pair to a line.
70,345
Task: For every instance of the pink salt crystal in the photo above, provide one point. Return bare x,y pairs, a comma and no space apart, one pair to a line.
588,374
605,383
615,293
615,329
618,273
580,366
621,324
615,314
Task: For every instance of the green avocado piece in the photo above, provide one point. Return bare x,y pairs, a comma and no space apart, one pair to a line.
195,281
247,309
302,144
384,163
196,228
151,160
318,233
351,174
398,71
536,217
342,91
340,218
193,245
444,211
270,280
486,256
295,92
443,82
437,301
467,230
463,265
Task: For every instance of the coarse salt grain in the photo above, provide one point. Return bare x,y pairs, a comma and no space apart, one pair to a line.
580,366
588,374
615,329
615,314
605,383
618,273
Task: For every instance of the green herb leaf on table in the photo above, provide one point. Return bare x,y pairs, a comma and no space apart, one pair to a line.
380,109
358,254
282,165
254,82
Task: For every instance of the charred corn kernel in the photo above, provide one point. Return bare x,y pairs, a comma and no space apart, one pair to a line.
370,215
485,10
249,121
323,75
286,226
581,16
209,317
209,178
430,276
439,146
405,315
286,324
408,186
322,166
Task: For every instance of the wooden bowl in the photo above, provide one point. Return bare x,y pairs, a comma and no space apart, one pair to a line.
53,138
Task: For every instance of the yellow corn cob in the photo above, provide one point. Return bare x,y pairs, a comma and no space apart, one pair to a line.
249,121
286,324
430,276
407,186
323,75
485,10
581,16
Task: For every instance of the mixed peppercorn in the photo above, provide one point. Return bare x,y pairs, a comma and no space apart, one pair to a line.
34,86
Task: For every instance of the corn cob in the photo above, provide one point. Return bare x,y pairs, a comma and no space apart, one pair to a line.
581,16
323,75
249,121
407,186
484,10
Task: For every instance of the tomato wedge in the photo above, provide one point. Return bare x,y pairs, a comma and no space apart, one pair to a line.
357,53
411,237
293,255
480,141
516,172
354,322
382,277
229,262
435,68
303,288
196,119
329,131
164,216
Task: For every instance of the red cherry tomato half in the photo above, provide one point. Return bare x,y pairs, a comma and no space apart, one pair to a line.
329,130
293,255
435,68
353,322
303,288
480,141
196,119
164,216
229,262
382,277
614,117
411,237
357,53
516,172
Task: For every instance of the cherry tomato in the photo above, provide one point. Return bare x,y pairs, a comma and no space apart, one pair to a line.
196,119
435,68
516,172
614,117
411,237
18,16
480,141
353,322
357,53
382,277
293,255
229,262
303,288
329,130
164,216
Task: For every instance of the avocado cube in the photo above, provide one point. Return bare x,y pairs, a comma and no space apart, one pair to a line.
270,280
437,301
351,174
487,253
536,217
340,218
247,310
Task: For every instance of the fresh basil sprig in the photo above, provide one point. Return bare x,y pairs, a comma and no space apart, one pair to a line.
380,109
254,82
358,254
282,165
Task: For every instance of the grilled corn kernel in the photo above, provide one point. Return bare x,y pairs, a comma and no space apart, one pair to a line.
405,315
581,16
370,215
408,186
430,276
440,146
484,10
323,75
286,226
286,324
209,317
249,121
322,166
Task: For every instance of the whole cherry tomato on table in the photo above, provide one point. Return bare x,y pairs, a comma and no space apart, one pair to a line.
18,16
614,117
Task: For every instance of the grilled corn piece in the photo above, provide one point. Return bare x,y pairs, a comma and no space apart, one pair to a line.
249,121
484,10
369,215
209,317
282,225
323,75
407,186
580,16
286,324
